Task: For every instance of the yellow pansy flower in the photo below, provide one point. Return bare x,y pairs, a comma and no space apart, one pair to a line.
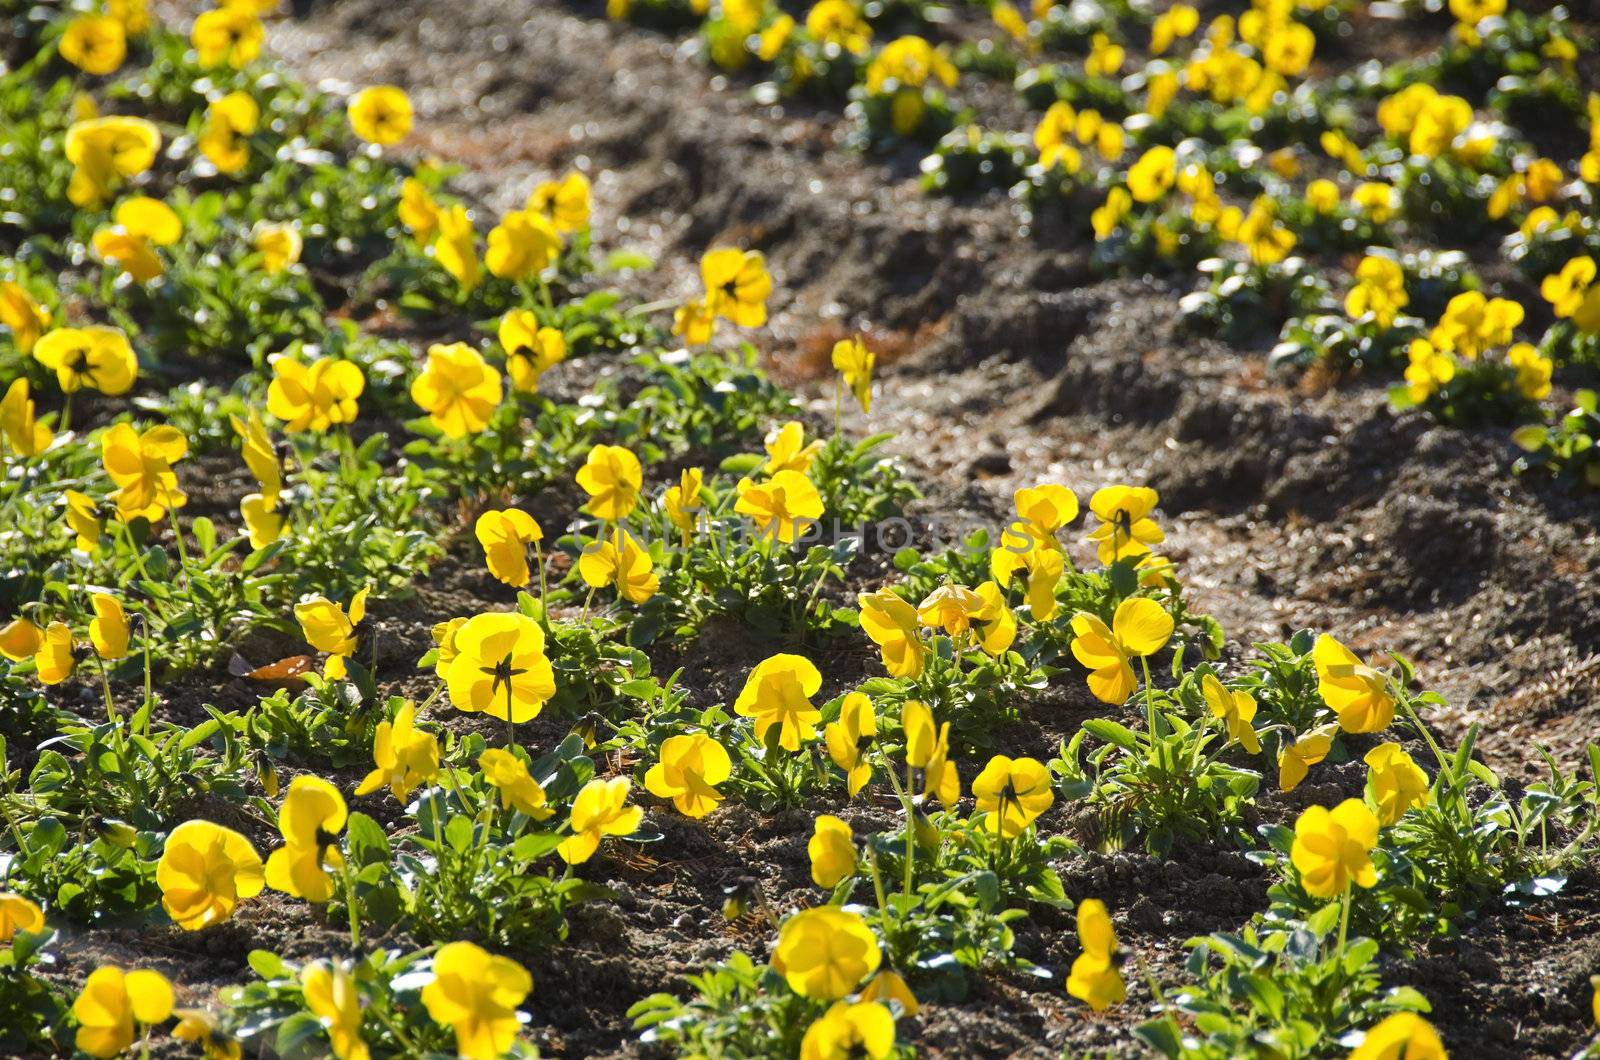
141,467
1402,1036
105,152
96,357
778,693
20,429
476,995
278,244
860,1030
691,767
565,202
381,114
849,739
891,622
531,348
23,315
1139,627
737,285
1153,174
333,996
682,502
505,537
1356,692
1333,848
1396,782
600,809
455,247
108,630
230,122
500,667
141,225
781,507
1012,793
825,952
53,660
854,363
314,397
312,816
1094,978
628,567
1126,529
18,914
113,1003
403,756
458,389
1235,708
418,212
95,44
1296,759
522,245
327,627
20,639
509,775
204,871
230,35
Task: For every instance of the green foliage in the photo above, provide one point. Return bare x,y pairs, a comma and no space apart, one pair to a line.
1240,298
271,1013
1156,784
31,1008
1289,989
470,869
1568,448
737,1008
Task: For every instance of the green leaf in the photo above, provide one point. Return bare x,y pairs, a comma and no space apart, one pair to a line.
1531,438
1113,733
618,260
1124,580
535,845
458,833
267,965
1409,998
366,841
1358,954
199,734
1161,1036
205,534
1264,994
300,1035
1322,921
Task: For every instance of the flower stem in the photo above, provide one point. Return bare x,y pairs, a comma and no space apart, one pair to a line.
426,703
1150,710
911,832
544,588
352,908
105,686
1344,920
511,729
1433,745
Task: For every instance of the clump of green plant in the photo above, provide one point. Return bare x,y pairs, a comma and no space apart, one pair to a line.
1568,448
1156,784
1240,296
1293,988
274,1011
32,1009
